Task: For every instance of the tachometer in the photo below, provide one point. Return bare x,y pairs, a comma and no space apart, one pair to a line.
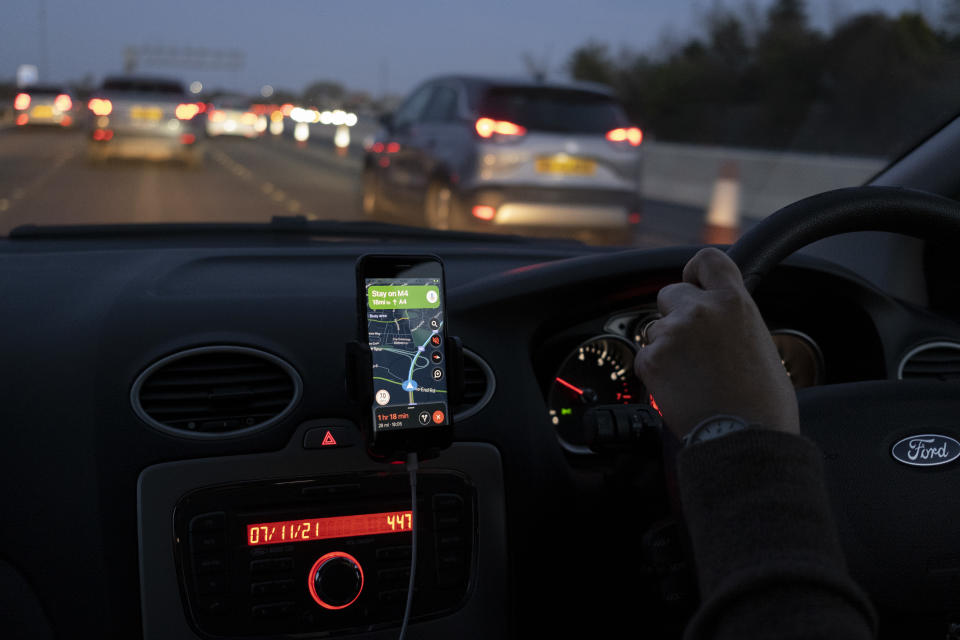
599,371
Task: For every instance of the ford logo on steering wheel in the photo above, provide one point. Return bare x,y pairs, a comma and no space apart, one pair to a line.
926,450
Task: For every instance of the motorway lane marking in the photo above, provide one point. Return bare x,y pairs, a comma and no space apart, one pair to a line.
20,193
268,189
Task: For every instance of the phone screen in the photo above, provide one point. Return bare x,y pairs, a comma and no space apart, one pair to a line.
405,331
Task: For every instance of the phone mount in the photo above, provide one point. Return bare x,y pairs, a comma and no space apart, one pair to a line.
359,387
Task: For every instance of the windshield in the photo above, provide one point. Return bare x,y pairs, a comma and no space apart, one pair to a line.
610,123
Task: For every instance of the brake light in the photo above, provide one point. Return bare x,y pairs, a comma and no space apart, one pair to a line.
100,106
217,116
487,127
22,119
484,212
63,102
187,138
633,135
102,135
187,110
201,107
393,147
377,147
248,118
21,102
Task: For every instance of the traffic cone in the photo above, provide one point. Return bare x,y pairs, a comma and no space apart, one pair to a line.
723,217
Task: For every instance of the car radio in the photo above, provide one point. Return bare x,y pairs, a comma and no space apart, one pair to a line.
322,554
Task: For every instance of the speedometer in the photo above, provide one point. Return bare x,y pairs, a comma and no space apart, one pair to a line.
599,371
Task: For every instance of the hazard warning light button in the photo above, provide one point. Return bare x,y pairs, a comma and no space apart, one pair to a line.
330,437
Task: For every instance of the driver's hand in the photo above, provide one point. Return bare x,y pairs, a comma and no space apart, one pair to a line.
711,352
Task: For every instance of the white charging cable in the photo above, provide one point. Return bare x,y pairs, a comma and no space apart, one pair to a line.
412,465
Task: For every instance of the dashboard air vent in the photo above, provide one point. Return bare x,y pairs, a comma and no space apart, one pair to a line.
478,386
216,392
931,361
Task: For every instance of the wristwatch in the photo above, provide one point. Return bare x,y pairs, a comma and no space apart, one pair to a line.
714,427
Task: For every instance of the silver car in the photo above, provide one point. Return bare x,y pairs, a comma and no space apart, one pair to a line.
149,118
492,154
39,105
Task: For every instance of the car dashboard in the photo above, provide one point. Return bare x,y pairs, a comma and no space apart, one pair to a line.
119,526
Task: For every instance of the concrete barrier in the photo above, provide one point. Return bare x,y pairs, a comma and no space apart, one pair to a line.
685,174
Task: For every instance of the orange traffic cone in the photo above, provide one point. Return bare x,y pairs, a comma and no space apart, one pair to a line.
723,217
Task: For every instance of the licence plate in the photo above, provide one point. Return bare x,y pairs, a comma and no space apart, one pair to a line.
146,114
566,165
42,111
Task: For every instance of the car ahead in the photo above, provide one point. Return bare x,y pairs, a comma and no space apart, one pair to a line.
45,105
494,154
142,117
234,116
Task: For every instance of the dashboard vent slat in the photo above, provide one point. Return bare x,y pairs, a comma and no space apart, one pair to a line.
931,361
218,391
478,386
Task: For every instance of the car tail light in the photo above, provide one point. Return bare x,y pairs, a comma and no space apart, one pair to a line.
484,212
488,127
187,110
63,102
631,135
393,147
22,119
187,138
100,106
217,116
635,217
377,147
201,107
21,102
66,121
248,118
102,135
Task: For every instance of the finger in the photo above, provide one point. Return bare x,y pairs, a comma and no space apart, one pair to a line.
712,269
676,295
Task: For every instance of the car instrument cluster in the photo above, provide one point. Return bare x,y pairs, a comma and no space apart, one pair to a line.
322,554
598,374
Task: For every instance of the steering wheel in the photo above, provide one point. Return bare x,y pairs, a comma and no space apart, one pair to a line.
898,523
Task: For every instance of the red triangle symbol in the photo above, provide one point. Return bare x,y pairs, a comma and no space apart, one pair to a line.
328,440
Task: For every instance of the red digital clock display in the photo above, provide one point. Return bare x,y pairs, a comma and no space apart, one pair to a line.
366,524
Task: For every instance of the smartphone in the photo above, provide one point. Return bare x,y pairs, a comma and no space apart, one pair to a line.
402,311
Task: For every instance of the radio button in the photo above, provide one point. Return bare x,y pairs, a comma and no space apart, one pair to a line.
449,541
394,553
200,542
208,564
272,610
215,521
271,587
443,501
214,607
330,438
270,565
211,584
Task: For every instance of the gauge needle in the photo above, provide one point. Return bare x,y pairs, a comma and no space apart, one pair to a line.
570,386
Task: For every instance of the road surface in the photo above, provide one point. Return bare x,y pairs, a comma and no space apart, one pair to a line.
46,179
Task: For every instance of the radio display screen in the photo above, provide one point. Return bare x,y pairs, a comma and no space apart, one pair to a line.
326,528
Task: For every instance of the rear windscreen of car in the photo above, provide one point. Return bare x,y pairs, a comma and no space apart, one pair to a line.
142,86
561,110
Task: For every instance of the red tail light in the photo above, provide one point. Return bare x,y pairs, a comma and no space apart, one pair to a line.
201,107
63,102
22,119
187,138
21,102
487,127
377,147
100,106
484,212
187,110
393,147
217,116
102,135
632,135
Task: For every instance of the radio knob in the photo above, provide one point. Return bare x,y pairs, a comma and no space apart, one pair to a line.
335,580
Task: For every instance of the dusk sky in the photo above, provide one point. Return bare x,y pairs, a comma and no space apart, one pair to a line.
360,43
